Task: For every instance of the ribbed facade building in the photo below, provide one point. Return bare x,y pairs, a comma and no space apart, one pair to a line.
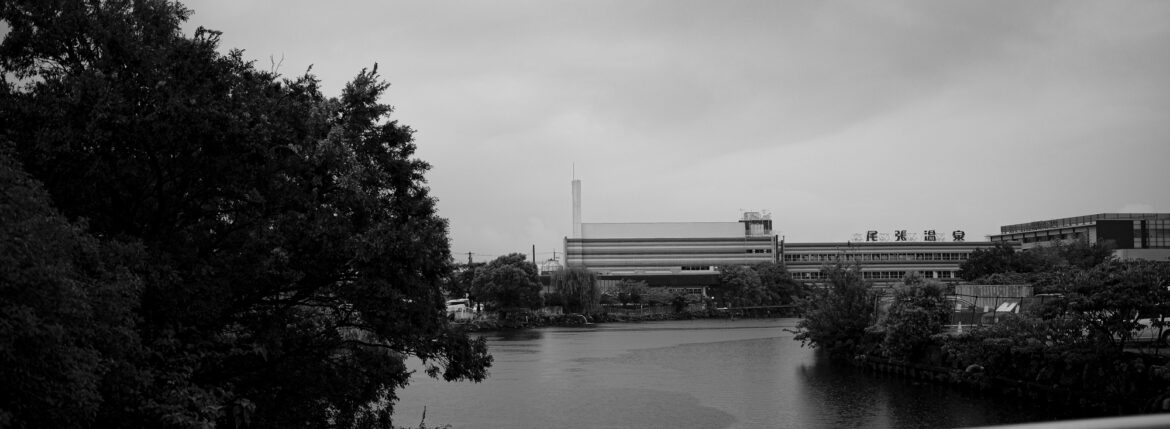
882,262
1134,235
671,248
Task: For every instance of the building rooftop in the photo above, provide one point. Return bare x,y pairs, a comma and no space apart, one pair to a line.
1078,220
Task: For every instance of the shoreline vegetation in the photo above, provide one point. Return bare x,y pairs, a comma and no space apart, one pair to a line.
576,319
1073,355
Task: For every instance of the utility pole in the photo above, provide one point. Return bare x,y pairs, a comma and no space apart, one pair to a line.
469,259
533,254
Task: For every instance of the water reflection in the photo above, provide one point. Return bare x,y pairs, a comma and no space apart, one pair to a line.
850,397
684,374
845,400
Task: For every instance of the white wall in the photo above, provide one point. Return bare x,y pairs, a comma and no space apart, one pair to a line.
1147,254
662,230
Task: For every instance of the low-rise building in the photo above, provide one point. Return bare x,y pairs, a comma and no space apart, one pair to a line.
1134,235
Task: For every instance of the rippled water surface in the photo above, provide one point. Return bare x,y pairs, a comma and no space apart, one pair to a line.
685,374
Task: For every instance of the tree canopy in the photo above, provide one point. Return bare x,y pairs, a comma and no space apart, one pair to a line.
739,286
1006,264
507,282
578,289
1108,298
917,311
266,255
462,276
837,315
765,283
631,291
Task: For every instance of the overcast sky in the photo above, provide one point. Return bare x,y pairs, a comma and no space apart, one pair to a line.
837,117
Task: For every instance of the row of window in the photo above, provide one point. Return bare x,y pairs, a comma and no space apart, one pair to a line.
1073,236
1157,234
758,250
878,275
832,257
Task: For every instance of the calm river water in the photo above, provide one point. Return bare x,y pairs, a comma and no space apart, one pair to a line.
685,374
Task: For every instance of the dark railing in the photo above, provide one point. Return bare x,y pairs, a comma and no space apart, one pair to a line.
1149,421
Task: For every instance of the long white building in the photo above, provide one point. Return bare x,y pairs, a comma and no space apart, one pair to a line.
688,254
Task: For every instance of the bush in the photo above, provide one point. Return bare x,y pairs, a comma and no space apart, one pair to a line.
837,314
919,311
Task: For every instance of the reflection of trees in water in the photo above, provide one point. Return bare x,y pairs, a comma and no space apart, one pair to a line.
840,396
850,397
518,335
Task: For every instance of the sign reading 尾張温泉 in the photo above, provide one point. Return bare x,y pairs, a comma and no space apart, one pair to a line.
904,235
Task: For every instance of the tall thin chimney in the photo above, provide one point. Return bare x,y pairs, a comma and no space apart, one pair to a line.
576,208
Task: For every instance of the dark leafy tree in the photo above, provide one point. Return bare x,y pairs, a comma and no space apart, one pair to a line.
1024,265
1109,298
918,311
459,284
291,255
836,314
631,291
999,259
779,287
66,323
1072,253
578,290
508,282
658,296
740,286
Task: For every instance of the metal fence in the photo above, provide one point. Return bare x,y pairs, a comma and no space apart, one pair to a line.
982,309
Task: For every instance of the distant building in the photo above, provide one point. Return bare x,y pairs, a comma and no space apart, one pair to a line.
882,262
1134,235
687,255
676,255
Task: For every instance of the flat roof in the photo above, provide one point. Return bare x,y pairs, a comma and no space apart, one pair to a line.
1077,221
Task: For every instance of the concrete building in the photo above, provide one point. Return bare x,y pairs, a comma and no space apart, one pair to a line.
677,255
688,254
882,262
1134,235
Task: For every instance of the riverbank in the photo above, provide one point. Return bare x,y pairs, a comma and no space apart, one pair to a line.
1071,383
542,320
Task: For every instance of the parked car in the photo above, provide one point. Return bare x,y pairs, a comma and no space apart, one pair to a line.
1151,333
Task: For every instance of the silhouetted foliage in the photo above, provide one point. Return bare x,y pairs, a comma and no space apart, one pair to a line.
836,314
1021,266
458,285
918,311
739,286
1002,258
765,283
1109,298
779,287
66,300
280,251
508,282
630,291
577,288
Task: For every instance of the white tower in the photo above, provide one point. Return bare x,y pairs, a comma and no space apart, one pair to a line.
576,208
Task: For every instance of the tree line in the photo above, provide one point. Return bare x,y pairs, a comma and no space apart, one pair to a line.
1079,340
511,282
